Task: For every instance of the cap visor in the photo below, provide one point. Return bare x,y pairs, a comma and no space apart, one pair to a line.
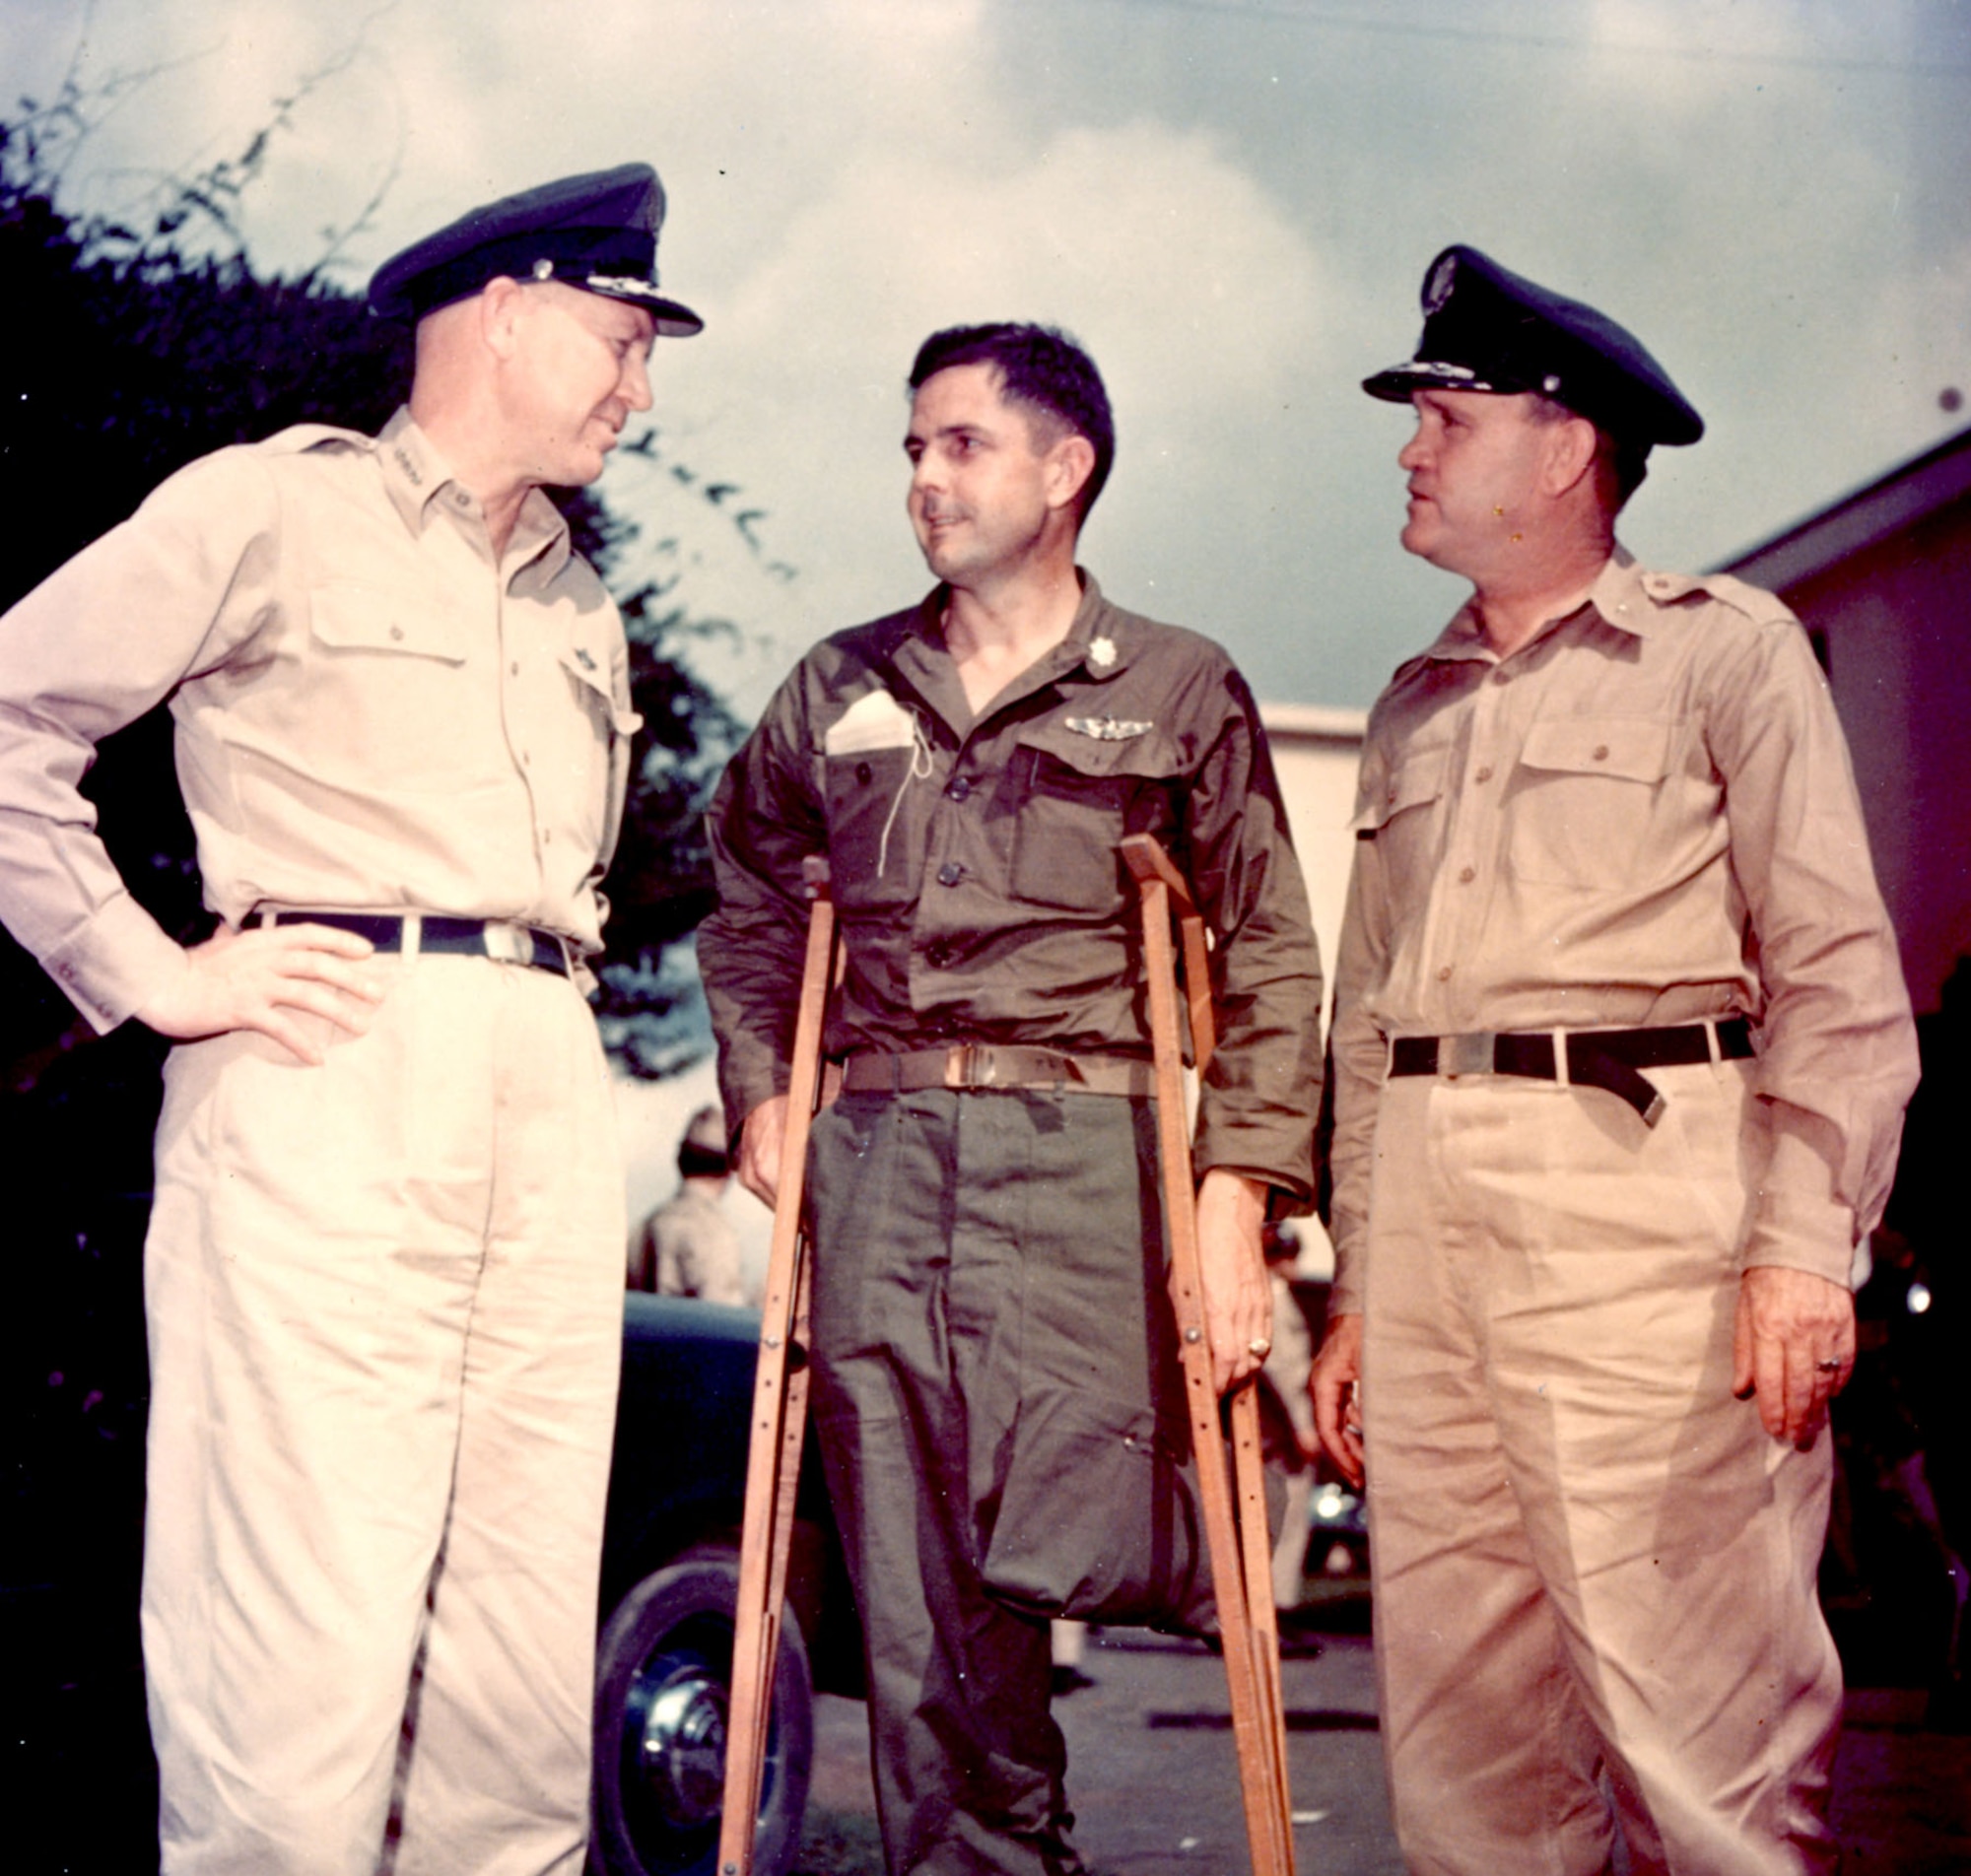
1395,385
675,321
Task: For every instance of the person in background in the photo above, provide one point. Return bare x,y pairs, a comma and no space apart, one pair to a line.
687,1246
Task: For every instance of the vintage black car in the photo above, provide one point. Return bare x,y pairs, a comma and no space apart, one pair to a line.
671,1572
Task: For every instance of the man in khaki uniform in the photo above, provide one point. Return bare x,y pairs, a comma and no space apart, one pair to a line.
1621,1052
381,1278
996,1385
688,1247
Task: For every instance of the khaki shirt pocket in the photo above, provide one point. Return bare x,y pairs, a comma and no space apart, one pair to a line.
598,815
1400,809
1582,798
384,677
1076,797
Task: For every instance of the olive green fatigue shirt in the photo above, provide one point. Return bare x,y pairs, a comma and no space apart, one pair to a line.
372,713
1645,816
976,870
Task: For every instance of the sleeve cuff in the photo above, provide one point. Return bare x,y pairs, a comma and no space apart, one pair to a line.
115,962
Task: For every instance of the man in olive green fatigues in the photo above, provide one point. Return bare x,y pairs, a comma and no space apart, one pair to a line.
995,1393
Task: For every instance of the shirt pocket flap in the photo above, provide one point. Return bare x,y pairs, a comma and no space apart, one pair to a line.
1101,747
588,666
1634,748
350,618
1420,776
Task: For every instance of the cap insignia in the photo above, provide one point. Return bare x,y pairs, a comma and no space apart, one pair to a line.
1436,289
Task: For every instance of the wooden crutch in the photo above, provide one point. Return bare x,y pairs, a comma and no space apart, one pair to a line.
1236,1536
779,1409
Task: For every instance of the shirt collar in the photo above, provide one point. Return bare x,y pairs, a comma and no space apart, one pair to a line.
418,477
1622,593
415,474
1101,638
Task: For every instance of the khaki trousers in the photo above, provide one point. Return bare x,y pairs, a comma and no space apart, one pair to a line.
1593,1570
385,1302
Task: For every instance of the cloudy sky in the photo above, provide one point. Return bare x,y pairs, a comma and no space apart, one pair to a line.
1231,203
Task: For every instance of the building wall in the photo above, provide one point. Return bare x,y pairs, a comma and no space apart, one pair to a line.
1316,753
1895,623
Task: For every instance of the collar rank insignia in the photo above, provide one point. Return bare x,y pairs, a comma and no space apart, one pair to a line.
583,658
1106,729
1102,652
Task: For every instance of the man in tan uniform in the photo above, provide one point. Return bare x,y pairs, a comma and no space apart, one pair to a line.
1621,1052
688,1247
381,1278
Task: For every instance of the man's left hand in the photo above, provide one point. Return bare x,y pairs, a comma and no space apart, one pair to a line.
1793,1347
1238,1300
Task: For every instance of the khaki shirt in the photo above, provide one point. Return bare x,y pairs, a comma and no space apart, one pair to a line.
1645,816
688,1248
976,866
371,715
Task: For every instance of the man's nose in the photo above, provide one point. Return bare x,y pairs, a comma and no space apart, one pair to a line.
635,384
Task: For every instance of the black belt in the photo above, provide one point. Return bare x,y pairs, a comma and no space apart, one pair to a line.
997,1065
1608,1059
467,937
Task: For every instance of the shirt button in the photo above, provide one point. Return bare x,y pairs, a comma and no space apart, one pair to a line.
397,632
961,786
1467,874
938,955
1600,752
950,873
862,772
1502,677
547,836
1443,974
516,667
1484,774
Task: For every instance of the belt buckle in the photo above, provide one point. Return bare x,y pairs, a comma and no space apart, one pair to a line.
959,1060
1471,1053
508,944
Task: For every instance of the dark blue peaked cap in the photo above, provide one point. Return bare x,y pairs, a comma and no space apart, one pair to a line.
1485,330
597,231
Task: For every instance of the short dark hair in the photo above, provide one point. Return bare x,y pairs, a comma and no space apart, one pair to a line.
1041,367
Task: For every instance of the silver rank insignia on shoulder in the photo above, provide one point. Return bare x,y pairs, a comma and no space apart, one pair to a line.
1102,652
583,658
1106,729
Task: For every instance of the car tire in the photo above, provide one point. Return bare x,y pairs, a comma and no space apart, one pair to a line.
663,1670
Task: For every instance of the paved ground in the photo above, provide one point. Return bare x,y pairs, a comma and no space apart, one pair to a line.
1153,1781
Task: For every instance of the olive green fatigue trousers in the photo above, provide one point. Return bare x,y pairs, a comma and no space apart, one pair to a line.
1001,1418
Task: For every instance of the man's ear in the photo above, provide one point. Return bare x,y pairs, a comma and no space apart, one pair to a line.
501,306
1571,447
1070,462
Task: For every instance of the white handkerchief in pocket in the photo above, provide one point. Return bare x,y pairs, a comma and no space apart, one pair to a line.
876,720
